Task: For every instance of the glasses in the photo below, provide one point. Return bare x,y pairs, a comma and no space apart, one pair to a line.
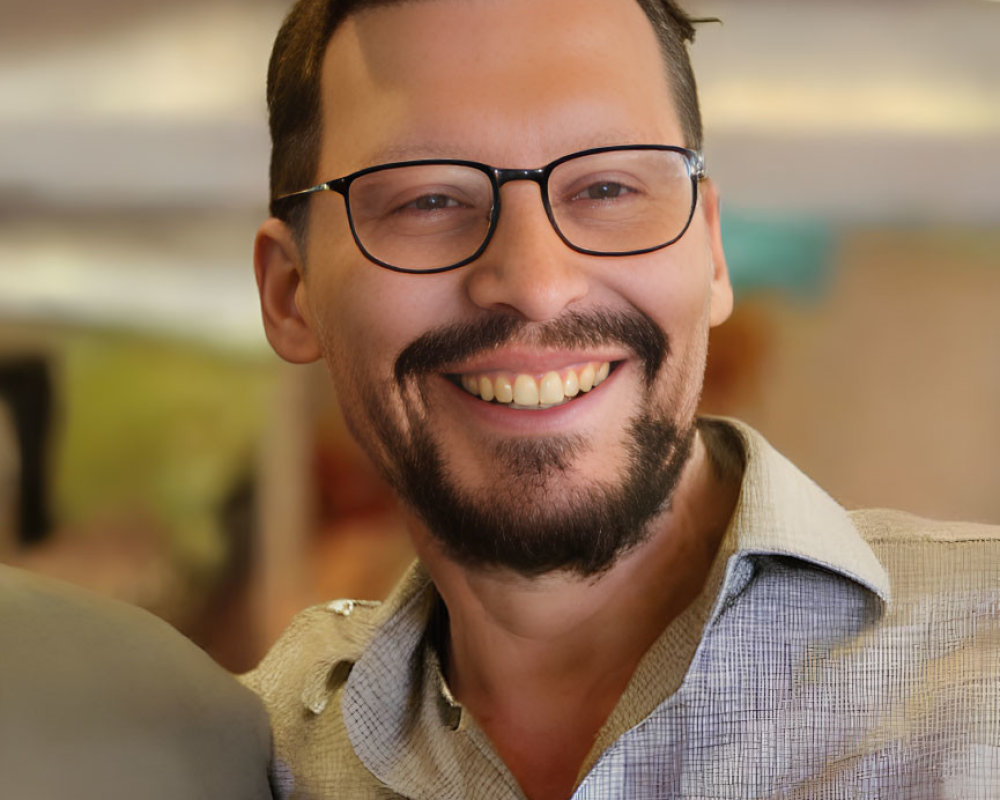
439,214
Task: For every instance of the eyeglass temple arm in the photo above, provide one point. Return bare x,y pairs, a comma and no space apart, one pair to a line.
330,186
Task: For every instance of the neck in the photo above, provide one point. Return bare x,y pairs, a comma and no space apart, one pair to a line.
558,650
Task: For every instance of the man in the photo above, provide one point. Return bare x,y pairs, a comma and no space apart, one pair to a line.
99,699
512,285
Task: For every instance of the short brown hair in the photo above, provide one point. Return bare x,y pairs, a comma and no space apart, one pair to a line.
293,87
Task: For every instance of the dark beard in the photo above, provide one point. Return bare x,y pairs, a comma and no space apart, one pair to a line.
587,531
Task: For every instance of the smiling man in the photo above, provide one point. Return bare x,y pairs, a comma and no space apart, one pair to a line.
492,221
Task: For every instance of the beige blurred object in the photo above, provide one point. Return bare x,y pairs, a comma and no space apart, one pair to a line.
10,470
285,506
885,390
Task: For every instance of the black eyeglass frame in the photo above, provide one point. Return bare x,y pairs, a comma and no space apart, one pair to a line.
498,177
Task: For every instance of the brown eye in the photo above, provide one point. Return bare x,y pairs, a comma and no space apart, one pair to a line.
433,202
605,191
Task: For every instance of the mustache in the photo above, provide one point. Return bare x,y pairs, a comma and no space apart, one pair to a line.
434,350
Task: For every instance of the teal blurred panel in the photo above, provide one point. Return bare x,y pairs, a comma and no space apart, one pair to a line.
771,251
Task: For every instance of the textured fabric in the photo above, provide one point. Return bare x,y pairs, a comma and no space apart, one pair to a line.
99,699
830,655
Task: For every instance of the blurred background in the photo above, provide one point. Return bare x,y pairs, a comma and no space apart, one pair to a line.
152,448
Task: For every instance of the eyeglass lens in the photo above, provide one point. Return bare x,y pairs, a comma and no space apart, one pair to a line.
431,216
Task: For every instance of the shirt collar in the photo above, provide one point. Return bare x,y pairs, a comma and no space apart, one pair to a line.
781,511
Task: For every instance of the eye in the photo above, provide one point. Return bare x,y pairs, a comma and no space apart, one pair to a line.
603,190
432,202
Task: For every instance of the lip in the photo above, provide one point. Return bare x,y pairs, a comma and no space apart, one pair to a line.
531,361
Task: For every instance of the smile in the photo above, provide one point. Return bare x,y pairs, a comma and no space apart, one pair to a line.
526,391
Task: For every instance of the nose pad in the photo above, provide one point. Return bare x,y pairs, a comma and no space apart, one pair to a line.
526,268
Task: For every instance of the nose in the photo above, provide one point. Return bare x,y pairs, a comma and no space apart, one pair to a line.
526,268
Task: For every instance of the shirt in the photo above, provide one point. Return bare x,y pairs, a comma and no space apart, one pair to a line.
831,654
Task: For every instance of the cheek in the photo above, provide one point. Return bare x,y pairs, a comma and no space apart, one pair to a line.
673,290
344,294
366,315
685,316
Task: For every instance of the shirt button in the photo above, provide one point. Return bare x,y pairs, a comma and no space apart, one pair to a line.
341,607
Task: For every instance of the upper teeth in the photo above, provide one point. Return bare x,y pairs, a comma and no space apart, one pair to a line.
530,391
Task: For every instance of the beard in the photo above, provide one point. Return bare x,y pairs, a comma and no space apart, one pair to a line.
520,523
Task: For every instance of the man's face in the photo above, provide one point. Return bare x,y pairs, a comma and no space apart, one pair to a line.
512,84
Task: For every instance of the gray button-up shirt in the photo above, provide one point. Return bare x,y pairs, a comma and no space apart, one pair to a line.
795,674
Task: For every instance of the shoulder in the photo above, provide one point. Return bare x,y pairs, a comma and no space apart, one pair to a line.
301,682
936,645
884,526
305,658
316,652
126,704
925,555
936,567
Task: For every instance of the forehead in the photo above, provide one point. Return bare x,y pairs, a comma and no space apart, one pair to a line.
502,81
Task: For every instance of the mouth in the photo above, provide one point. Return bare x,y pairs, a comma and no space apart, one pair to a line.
532,391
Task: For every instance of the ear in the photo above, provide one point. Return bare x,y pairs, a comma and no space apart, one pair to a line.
721,301
278,266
